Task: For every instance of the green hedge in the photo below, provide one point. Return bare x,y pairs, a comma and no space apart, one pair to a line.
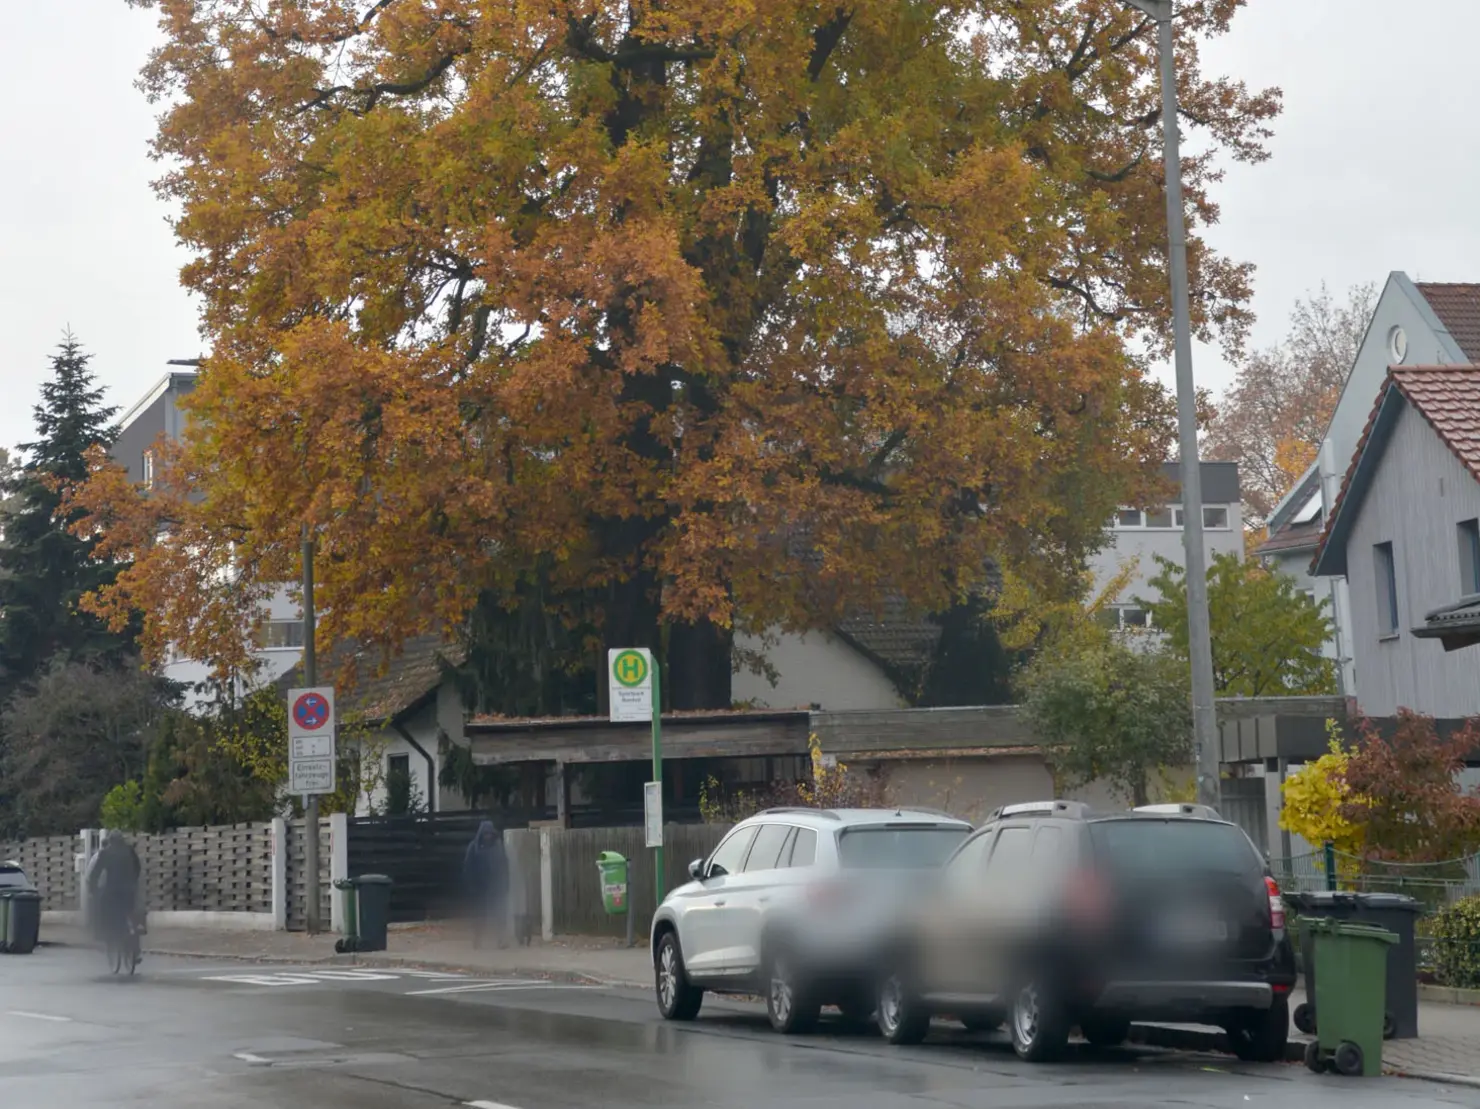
1456,943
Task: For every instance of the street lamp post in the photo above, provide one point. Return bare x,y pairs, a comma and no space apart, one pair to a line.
1199,633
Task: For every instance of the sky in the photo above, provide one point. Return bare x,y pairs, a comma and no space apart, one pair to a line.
1371,172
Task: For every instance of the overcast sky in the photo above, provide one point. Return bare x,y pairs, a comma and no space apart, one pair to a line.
1370,173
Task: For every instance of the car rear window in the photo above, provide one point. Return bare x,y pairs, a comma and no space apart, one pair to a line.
1173,846
898,848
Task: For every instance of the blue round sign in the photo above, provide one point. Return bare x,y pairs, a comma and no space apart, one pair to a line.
311,711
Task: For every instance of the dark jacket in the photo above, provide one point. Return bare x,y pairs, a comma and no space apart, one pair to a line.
116,872
485,869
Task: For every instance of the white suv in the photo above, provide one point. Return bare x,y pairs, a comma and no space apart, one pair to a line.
791,905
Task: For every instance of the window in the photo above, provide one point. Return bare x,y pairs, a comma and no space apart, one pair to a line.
1014,845
1048,845
769,841
280,635
897,848
1159,518
1215,517
398,785
1129,518
1469,556
1127,616
804,848
148,469
1387,589
729,856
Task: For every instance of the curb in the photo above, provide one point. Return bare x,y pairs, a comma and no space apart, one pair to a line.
1192,1039
1469,1081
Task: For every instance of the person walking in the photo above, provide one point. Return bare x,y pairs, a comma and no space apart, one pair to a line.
486,882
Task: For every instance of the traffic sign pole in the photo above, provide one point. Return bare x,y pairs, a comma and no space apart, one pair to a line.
658,771
313,917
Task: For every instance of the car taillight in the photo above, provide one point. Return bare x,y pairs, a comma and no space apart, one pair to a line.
1276,904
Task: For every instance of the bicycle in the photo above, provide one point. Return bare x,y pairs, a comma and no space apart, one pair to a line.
123,947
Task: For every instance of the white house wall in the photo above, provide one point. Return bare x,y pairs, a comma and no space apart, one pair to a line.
1419,494
1143,545
813,668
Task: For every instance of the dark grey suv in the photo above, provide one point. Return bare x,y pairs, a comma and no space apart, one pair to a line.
1053,916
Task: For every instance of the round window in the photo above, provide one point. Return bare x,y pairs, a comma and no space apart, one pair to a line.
1397,344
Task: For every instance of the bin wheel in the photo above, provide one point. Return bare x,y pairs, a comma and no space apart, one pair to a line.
1389,1026
1305,1018
1313,1059
1348,1059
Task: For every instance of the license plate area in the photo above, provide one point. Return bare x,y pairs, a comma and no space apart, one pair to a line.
1194,929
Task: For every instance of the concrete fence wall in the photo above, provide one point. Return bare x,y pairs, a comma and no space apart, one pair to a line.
51,863
223,869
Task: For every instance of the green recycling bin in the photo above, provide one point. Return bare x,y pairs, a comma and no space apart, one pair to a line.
613,870
4,921
1351,996
373,911
350,941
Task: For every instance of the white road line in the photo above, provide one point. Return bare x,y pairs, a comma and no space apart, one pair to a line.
489,984
498,987
248,1057
487,1105
38,1016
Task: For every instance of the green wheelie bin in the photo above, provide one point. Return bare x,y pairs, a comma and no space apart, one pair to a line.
20,920
349,942
1351,996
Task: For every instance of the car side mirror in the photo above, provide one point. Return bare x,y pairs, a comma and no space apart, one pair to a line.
696,869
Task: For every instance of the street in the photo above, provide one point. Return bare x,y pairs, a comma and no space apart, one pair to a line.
209,1034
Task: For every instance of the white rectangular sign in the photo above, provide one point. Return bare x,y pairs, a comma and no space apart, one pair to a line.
311,776
311,753
652,813
629,672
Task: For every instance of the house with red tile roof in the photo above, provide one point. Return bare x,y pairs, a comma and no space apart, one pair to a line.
1403,534
1413,323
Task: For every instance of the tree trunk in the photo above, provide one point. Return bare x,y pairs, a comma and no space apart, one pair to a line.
699,666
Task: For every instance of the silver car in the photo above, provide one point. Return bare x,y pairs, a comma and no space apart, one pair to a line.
792,905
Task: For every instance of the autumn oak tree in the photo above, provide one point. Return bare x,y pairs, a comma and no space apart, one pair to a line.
712,315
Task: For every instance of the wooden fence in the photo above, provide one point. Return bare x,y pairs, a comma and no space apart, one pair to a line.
576,889
50,862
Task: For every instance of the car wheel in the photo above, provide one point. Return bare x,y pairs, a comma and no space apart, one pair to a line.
790,1006
677,1000
902,1019
1106,1031
1039,1030
1305,1018
1262,1037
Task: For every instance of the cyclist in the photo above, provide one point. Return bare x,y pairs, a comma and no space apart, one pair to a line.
113,883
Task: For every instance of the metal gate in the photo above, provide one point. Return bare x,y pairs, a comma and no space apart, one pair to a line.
1243,803
421,854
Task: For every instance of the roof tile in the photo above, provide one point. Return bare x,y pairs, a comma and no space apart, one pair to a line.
1458,308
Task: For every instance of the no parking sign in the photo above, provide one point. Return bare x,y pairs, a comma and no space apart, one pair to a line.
311,755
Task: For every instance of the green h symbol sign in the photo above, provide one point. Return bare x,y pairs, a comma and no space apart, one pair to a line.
630,668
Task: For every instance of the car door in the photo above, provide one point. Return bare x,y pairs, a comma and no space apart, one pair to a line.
700,923
1008,894
755,892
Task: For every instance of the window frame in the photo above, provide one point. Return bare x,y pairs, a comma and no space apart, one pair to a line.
1469,556
1385,574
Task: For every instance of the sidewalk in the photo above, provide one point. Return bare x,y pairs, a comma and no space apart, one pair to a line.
1448,1049
585,959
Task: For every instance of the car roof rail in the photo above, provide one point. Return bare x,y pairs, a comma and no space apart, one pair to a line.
1197,812
1070,810
900,810
826,814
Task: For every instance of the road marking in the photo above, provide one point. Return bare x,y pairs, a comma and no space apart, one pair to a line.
248,1057
497,987
487,1105
38,1016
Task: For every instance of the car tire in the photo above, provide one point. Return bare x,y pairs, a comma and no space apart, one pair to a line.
1040,1031
1106,1031
902,1018
1305,1018
677,999
1262,1037
791,1007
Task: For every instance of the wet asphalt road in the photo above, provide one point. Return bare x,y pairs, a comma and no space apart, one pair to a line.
210,1036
